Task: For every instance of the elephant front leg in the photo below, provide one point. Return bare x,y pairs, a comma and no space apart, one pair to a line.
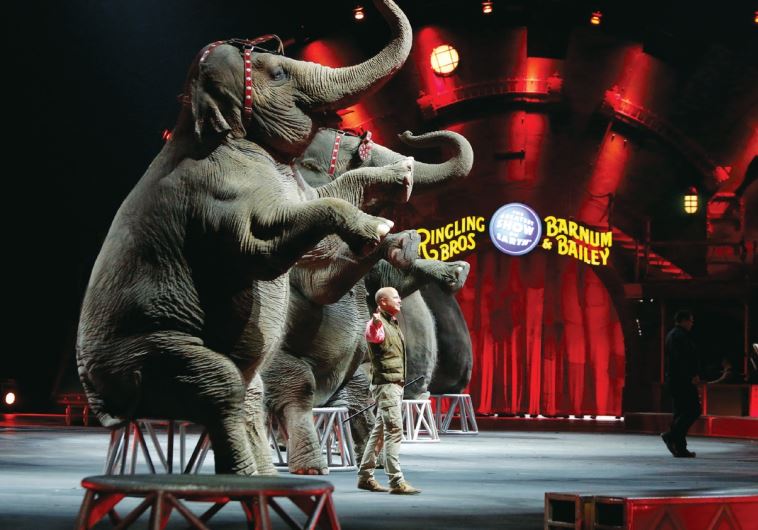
290,231
369,188
449,275
256,427
356,396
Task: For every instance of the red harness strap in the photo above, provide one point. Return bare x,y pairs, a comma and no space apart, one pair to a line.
335,151
364,149
246,46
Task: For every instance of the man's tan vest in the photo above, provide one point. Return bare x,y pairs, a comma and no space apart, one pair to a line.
388,356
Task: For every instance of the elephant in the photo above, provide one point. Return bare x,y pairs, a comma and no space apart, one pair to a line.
323,346
450,343
452,372
185,300
357,154
318,360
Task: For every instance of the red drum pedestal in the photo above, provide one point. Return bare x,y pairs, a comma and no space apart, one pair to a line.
164,493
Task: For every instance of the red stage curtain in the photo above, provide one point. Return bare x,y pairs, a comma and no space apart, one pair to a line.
546,337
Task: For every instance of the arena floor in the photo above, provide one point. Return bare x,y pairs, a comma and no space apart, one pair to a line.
491,480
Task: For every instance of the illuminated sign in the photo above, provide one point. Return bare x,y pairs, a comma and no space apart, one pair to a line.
577,241
450,240
515,229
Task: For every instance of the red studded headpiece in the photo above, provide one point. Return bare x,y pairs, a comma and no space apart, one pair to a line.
246,47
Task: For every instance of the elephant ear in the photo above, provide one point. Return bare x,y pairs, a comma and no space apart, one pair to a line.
216,107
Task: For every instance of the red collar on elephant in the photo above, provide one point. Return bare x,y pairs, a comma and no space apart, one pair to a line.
364,149
246,47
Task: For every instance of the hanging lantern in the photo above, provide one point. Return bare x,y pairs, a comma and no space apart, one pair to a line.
691,201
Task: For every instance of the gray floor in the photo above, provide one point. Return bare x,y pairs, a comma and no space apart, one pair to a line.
493,480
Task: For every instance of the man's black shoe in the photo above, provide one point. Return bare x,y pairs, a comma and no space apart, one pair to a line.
685,454
669,443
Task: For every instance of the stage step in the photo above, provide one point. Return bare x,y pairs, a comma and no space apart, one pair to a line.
722,426
650,511
663,513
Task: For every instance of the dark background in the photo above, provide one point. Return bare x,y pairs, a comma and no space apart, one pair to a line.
91,85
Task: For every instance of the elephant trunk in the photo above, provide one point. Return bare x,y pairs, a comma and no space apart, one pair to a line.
429,175
334,88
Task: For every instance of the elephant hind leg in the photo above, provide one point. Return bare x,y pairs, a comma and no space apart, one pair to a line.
183,380
256,426
356,395
290,389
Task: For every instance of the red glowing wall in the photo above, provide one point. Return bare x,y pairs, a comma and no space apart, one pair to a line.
545,335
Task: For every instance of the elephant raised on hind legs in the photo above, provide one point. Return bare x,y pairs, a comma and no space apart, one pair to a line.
186,298
323,346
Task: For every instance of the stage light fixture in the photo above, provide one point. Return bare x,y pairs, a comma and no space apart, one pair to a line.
755,17
691,201
359,13
487,6
166,135
596,18
9,391
444,59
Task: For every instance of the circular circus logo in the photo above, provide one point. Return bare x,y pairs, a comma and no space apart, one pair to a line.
515,229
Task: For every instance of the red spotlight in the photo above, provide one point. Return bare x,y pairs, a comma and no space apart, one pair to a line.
9,398
755,17
487,7
358,13
166,135
596,18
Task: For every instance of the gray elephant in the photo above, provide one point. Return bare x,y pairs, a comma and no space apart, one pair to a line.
323,347
437,330
452,372
186,297
356,154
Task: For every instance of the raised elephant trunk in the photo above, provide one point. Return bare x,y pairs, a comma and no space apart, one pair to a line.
428,175
327,88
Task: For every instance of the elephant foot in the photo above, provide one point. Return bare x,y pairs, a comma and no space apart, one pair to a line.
365,233
248,470
402,175
310,471
450,275
404,249
268,471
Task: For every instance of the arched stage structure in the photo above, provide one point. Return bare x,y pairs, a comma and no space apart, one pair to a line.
614,182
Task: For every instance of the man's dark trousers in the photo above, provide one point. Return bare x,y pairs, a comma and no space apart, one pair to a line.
686,409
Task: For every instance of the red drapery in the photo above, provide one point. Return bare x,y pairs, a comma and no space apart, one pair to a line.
545,334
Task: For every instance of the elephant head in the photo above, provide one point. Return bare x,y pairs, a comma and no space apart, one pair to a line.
358,151
237,88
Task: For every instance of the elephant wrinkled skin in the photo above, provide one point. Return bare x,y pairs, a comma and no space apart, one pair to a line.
185,300
323,347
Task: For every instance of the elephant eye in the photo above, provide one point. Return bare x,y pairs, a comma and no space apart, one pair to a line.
278,74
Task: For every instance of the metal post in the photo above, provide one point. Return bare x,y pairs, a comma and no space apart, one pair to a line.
661,375
646,263
746,336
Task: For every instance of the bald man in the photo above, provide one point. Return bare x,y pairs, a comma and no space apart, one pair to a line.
387,351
